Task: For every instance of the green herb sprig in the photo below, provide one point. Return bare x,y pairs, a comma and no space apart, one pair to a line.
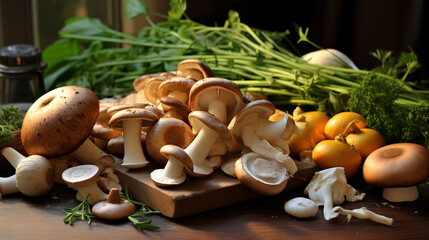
80,212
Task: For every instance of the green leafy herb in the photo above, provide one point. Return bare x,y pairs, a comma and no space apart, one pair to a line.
144,211
10,120
80,212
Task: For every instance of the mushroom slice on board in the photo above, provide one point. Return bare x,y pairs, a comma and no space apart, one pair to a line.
252,125
83,179
131,120
208,129
167,131
34,174
194,68
114,207
218,96
173,173
398,168
60,122
263,175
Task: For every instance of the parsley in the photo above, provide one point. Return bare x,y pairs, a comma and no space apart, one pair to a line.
10,120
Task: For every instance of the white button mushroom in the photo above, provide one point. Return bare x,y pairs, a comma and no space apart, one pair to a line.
83,179
34,174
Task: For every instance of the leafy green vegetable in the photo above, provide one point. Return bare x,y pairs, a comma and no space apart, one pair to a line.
10,120
256,60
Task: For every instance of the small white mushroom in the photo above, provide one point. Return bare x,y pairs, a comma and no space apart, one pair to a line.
328,188
301,207
83,179
34,174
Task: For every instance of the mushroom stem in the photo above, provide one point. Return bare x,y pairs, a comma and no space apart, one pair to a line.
200,147
173,169
133,151
93,192
8,185
89,153
218,109
13,156
269,129
364,213
401,194
114,196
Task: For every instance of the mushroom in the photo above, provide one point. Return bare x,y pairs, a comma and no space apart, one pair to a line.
108,180
34,174
60,164
83,179
328,188
397,168
114,207
252,125
218,96
173,173
263,175
301,207
102,135
177,88
194,68
208,129
174,108
363,213
228,164
167,131
60,122
151,89
8,185
131,120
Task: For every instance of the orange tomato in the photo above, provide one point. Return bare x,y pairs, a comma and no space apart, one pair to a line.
337,153
339,122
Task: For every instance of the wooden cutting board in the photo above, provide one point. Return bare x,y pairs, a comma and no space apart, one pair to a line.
197,195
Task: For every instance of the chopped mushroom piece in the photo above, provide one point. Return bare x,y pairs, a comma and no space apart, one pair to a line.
398,168
363,213
131,120
301,207
114,207
262,175
34,174
252,125
328,188
83,179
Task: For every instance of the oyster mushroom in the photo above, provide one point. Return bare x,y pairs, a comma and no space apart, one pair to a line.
252,125
34,174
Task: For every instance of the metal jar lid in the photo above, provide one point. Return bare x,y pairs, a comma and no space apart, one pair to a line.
20,58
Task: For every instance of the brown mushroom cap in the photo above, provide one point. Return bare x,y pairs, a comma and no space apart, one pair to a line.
167,131
174,108
147,117
59,121
250,171
81,175
140,82
175,84
397,165
208,90
194,68
105,133
114,207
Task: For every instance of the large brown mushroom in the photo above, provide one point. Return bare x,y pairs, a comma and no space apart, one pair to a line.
397,168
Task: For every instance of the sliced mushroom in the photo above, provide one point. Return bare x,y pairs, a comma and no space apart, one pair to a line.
260,174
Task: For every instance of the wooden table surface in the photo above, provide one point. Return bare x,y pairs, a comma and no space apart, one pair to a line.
263,218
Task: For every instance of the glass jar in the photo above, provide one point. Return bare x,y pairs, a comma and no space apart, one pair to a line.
21,74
